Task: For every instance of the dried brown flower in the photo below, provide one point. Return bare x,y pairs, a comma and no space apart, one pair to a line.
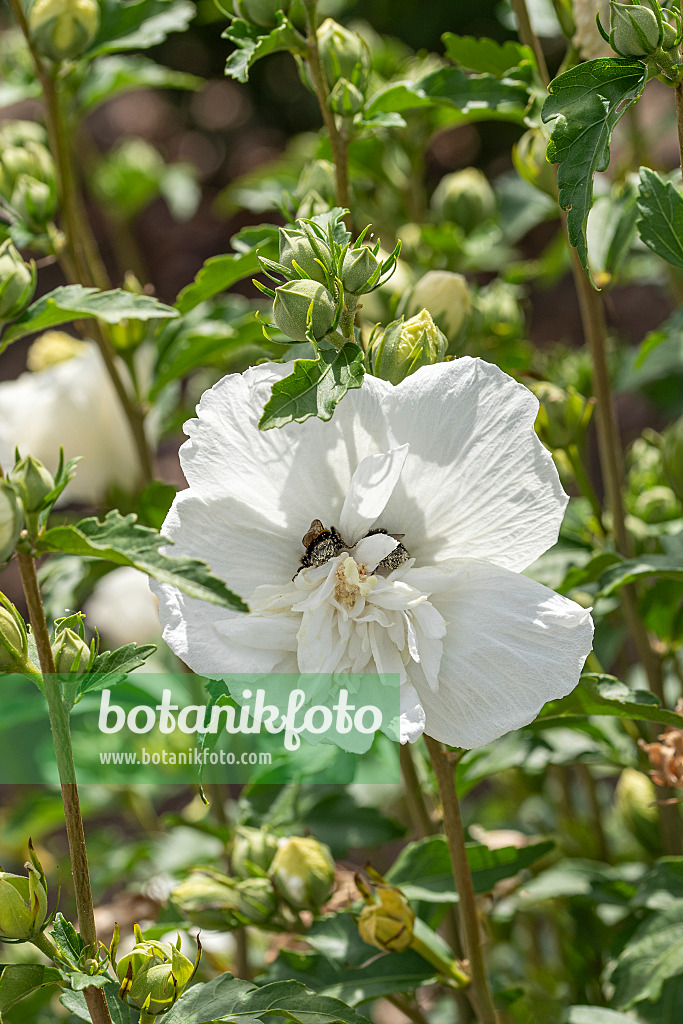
666,756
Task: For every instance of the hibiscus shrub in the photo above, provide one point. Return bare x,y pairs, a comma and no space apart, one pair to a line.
377,680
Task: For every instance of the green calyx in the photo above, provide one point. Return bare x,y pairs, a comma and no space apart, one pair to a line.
63,29
17,282
642,29
403,347
23,904
154,974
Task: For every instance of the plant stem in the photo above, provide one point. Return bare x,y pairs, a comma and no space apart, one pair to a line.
61,733
410,1010
47,947
583,482
417,808
479,991
339,143
529,37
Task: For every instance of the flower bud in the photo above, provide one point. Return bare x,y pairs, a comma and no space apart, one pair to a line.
291,309
35,202
531,162
446,296
11,520
212,900
253,850
261,12
71,653
34,481
17,282
13,638
657,505
23,905
634,31
19,133
672,456
563,416
387,925
346,99
344,54
307,251
634,803
303,872
154,974
63,29
27,158
464,197
402,348
360,270
52,348
498,312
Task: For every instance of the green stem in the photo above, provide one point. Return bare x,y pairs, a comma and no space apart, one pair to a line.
479,991
410,1010
529,37
48,948
417,807
448,969
61,733
584,483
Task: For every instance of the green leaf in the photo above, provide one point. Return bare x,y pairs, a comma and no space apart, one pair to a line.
486,55
119,1012
596,1015
74,302
111,76
19,980
586,103
666,567
139,24
112,666
478,96
67,939
209,342
252,45
661,216
612,231
605,695
315,387
653,955
218,274
122,540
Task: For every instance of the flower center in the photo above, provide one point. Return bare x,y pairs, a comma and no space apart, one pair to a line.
353,581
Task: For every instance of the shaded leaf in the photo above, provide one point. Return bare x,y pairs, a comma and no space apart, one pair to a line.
218,274
486,55
139,24
112,666
653,955
113,75
478,95
660,205
19,980
119,1012
252,44
605,695
585,104
122,540
667,567
315,387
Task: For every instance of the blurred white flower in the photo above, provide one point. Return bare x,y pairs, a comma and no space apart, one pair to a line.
587,38
66,398
449,462
446,296
123,608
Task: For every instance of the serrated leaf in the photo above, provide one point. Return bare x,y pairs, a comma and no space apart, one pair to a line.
66,938
19,980
111,76
252,44
486,55
80,981
139,24
605,695
477,96
74,302
666,567
119,1012
585,104
316,386
112,666
122,540
660,205
218,274
653,955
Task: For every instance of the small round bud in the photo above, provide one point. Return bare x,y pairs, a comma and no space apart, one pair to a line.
63,29
634,31
346,99
387,925
344,54
303,873
71,653
35,202
672,456
358,268
253,850
657,505
464,197
563,416
154,975
11,520
291,309
446,296
13,637
308,252
17,282
212,900
402,348
23,905
34,481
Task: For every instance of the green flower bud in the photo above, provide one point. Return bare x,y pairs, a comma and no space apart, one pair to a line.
464,197
63,29
13,638
212,900
360,270
23,905
657,505
154,974
532,164
447,297
497,312
402,348
291,309
253,850
303,873
563,416
346,99
261,12
634,31
387,925
307,251
34,481
17,282
71,653
672,456
19,133
344,54
34,201
11,520
28,158
52,348
634,803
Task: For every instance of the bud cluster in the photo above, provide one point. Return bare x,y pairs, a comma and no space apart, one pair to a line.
28,181
346,63
154,974
643,29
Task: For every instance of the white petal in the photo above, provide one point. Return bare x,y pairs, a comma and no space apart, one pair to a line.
371,487
511,645
412,715
477,482
371,550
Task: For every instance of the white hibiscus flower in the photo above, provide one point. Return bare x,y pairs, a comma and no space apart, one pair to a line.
434,496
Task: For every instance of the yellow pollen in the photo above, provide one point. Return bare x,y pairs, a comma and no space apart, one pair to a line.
353,581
